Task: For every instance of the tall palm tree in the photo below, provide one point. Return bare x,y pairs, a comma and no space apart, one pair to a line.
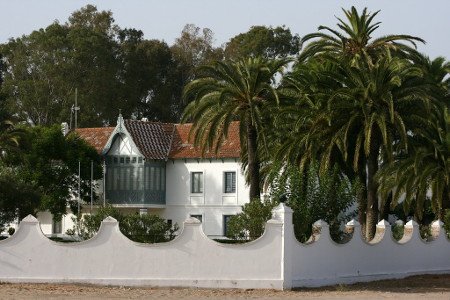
426,167
233,91
368,119
354,39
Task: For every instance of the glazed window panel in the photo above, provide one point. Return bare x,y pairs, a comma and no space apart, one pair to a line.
230,182
197,182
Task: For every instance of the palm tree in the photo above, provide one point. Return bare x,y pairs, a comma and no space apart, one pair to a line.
367,119
233,91
354,40
426,167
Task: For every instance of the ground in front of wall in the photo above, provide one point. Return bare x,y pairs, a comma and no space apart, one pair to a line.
416,287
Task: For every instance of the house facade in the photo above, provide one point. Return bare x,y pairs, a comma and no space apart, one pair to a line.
154,168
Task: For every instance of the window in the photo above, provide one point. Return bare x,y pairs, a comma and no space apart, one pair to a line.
196,182
229,182
198,217
127,160
133,160
226,219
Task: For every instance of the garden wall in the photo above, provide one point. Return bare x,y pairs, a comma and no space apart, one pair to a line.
275,261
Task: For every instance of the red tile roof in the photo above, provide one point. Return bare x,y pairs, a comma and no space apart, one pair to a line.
97,137
182,147
164,140
153,139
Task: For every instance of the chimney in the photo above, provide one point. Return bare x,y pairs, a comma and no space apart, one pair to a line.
65,128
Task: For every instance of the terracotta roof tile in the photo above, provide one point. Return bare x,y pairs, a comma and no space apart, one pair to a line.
153,139
96,137
163,140
182,147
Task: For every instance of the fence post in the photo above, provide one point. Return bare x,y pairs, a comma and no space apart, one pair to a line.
283,213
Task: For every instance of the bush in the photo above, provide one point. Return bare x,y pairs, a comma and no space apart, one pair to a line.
138,228
249,224
314,196
11,230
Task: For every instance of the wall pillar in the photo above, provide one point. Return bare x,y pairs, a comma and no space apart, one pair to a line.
283,213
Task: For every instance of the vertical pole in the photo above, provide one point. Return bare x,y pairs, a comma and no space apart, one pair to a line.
79,189
76,108
92,180
104,182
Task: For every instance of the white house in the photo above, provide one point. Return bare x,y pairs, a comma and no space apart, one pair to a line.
154,168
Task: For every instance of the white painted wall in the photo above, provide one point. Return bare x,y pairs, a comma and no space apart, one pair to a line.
276,260
110,258
213,203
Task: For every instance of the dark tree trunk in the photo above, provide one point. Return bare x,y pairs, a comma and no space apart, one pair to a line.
445,202
372,199
362,197
384,214
253,161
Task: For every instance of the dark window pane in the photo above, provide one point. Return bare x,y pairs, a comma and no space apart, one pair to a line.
230,182
196,182
198,217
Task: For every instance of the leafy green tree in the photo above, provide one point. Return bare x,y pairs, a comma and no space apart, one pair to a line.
267,42
17,198
233,91
148,78
48,162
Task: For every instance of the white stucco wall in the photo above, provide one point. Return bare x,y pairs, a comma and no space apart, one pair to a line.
213,203
276,260
110,258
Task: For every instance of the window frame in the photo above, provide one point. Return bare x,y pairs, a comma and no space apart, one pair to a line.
233,191
200,188
196,216
225,220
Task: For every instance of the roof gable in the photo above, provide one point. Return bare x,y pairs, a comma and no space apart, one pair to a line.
153,139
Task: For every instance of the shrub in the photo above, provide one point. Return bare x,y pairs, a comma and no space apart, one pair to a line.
249,224
314,196
138,228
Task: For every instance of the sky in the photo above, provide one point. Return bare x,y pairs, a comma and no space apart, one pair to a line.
164,19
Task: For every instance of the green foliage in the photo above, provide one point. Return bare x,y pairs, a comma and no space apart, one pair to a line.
263,41
44,172
138,228
112,68
315,196
18,198
249,224
446,222
233,91
398,231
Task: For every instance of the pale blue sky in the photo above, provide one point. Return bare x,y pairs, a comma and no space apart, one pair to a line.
164,19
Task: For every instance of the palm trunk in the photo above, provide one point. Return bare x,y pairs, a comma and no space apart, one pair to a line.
372,199
445,202
253,162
